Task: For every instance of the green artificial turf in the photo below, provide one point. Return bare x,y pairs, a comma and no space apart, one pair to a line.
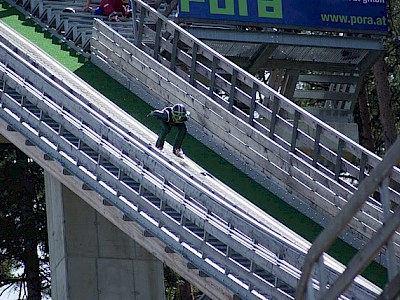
203,156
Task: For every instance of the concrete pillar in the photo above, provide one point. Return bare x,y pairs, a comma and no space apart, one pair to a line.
92,259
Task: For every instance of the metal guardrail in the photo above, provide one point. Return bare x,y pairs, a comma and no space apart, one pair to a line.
74,29
377,179
221,240
321,163
266,135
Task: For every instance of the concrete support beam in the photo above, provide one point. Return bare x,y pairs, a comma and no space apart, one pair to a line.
91,258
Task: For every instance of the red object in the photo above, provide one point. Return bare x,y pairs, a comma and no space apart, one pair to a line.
109,6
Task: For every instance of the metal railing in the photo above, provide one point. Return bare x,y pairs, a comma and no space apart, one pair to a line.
383,239
311,165
223,241
323,164
319,159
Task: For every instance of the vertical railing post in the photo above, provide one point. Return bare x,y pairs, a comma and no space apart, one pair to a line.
295,131
254,90
338,166
174,52
310,293
213,74
363,163
193,64
134,23
157,38
390,256
232,90
138,39
275,108
323,279
317,139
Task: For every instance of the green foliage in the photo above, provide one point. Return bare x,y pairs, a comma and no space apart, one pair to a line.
5,271
392,45
392,60
172,282
23,228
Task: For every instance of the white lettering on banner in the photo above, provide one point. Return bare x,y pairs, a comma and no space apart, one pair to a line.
367,1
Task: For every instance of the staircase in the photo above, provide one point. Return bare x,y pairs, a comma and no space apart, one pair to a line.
297,156
188,219
242,118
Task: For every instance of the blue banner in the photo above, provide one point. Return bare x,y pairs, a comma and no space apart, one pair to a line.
327,15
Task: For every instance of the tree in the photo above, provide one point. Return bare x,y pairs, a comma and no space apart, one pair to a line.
384,96
23,232
365,120
382,88
176,287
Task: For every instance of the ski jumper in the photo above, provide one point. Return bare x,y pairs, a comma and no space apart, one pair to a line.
167,122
